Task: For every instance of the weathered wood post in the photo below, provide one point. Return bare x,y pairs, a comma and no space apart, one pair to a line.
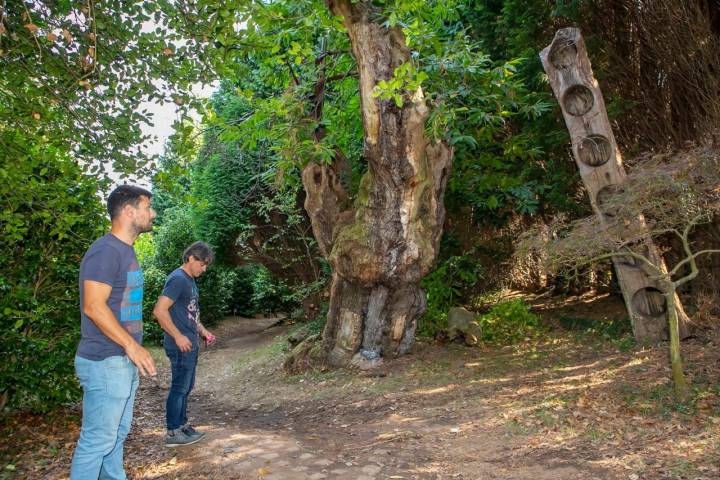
597,156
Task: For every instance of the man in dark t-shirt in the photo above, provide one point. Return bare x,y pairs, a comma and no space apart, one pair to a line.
110,354
178,313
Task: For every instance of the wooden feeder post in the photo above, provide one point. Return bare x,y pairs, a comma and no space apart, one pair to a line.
597,156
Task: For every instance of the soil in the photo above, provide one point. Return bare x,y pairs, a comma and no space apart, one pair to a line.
568,404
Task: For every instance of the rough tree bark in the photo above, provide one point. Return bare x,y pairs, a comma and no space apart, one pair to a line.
382,245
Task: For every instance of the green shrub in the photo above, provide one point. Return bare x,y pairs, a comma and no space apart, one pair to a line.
618,331
271,294
241,299
446,287
154,282
172,238
40,371
50,215
508,322
223,291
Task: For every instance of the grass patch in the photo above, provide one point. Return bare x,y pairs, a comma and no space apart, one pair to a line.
391,383
263,356
516,428
660,400
313,376
617,331
597,434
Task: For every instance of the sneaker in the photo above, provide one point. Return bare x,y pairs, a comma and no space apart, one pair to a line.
177,437
188,429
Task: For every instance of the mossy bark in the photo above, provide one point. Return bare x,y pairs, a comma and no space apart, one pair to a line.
382,245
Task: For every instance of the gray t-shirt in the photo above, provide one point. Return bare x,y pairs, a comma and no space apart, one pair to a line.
111,261
185,311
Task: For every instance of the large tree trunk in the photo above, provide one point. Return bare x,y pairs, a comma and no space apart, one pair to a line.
382,246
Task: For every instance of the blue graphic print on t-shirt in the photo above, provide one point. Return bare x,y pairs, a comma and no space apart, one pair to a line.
131,306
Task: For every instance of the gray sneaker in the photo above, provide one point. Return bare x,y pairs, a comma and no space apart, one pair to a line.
178,437
187,429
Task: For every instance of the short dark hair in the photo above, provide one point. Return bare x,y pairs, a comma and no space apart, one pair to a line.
123,195
201,251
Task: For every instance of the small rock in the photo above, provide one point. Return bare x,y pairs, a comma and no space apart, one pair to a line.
462,323
363,363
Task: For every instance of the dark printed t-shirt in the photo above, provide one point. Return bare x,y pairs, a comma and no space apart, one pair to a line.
185,311
111,261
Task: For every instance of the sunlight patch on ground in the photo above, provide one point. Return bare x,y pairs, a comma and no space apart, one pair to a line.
397,418
435,391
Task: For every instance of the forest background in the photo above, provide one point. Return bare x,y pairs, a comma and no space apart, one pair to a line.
74,75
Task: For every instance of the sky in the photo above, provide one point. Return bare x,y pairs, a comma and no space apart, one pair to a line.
163,117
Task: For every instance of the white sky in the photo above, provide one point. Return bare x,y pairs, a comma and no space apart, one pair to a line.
164,115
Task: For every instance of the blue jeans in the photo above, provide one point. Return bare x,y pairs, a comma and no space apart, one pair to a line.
183,365
109,388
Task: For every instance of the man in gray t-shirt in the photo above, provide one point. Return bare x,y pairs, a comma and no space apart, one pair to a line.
112,262
178,313
110,354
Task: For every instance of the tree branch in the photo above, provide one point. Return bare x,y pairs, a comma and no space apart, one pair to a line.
693,266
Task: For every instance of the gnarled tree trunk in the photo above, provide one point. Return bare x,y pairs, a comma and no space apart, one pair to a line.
387,241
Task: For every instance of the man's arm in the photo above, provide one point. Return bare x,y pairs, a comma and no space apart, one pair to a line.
95,297
162,313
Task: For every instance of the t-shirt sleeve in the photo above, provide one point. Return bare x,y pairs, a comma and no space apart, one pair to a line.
102,266
173,288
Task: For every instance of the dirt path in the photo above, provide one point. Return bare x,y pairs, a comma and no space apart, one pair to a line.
352,435
566,405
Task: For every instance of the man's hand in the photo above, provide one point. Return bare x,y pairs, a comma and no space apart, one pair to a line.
183,343
209,337
142,359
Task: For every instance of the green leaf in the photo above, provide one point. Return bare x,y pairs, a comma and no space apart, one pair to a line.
492,202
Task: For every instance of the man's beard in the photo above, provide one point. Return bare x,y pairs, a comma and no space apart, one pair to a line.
143,228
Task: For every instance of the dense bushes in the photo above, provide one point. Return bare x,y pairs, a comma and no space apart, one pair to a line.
50,215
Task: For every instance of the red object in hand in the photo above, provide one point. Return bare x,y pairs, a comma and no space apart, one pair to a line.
210,339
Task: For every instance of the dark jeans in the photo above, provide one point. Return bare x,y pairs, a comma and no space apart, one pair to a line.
183,365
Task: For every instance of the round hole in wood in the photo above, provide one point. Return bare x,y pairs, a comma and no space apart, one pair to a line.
563,53
649,302
594,150
578,100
